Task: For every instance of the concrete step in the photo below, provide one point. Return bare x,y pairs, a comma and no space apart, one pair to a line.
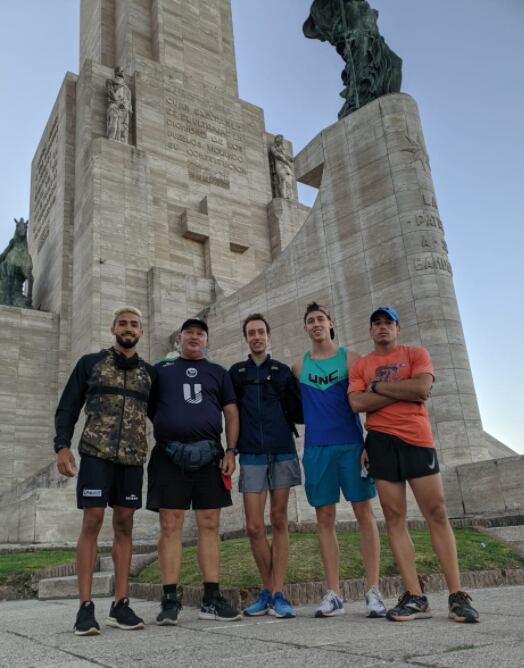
67,587
511,535
138,562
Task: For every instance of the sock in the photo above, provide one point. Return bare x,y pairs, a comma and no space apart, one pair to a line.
210,588
169,589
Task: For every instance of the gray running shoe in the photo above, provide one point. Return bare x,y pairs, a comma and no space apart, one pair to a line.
410,607
375,604
330,606
460,608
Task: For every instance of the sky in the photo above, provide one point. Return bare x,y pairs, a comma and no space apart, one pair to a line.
463,64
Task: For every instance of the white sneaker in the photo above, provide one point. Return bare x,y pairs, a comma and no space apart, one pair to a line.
375,604
330,606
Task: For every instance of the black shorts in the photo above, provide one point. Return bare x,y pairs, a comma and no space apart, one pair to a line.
392,459
169,487
104,483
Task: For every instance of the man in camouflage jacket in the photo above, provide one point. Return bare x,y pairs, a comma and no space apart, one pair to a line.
114,386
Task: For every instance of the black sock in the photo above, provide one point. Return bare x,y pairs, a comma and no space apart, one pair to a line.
210,588
169,589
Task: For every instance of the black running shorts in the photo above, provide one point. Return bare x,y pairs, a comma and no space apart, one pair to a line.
103,483
392,459
169,487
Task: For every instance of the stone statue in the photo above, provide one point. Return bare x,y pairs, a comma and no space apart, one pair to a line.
119,107
282,168
16,269
372,68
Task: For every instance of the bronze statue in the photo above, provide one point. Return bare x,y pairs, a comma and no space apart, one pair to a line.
16,269
372,68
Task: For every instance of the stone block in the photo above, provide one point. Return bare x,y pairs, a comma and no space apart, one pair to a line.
67,587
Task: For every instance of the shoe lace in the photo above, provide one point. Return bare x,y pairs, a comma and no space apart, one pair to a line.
461,598
172,601
404,598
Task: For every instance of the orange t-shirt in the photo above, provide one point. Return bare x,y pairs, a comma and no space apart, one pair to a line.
406,419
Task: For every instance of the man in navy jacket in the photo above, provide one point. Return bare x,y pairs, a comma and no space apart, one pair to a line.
269,404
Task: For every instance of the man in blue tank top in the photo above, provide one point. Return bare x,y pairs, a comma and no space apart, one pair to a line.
333,446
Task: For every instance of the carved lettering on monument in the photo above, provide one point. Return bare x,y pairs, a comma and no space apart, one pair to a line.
434,261
204,131
44,193
428,220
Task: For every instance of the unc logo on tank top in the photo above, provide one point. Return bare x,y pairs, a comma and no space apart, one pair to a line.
192,393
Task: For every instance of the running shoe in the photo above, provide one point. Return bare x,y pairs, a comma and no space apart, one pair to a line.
410,607
281,607
460,608
375,604
171,605
330,605
122,617
260,606
219,609
86,624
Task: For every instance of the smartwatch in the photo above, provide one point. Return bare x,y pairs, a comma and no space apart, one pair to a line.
233,450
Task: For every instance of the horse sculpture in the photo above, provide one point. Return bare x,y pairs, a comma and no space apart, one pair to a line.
16,270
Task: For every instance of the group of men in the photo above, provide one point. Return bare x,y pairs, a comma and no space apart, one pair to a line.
260,400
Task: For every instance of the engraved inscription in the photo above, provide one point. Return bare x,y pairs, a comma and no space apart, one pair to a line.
44,197
211,140
428,220
435,261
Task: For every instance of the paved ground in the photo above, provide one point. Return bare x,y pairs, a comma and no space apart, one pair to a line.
38,633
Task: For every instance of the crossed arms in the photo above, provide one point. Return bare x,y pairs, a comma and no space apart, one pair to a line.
416,389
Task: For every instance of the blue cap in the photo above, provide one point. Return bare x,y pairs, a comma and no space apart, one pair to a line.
387,310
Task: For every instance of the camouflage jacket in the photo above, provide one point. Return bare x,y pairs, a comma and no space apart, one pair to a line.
115,391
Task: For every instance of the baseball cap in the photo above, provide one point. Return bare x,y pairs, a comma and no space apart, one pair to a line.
195,322
388,311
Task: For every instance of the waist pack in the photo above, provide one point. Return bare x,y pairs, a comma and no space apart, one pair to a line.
192,456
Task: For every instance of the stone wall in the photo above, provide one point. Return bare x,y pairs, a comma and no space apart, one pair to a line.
28,387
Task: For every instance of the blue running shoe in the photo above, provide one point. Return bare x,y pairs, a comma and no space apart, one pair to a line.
281,607
260,606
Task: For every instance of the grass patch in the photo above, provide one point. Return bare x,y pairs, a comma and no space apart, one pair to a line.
19,563
238,568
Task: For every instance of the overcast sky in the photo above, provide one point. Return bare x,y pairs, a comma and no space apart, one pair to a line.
463,64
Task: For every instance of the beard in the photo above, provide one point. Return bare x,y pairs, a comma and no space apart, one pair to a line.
126,343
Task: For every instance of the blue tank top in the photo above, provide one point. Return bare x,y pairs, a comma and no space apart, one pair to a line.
328,416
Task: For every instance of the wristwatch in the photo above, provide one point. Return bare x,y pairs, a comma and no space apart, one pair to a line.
373,385
233,450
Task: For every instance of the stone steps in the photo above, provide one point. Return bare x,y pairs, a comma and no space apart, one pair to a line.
103,579
512,535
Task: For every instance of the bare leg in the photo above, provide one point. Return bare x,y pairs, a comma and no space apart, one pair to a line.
122,548
254,505
369,541
86,550
280,542
327,539
170,545
393,501
429,493
208,544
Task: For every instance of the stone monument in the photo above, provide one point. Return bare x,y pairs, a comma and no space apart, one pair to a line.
119,107
179,215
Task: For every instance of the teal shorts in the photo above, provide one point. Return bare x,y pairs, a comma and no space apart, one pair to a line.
331,468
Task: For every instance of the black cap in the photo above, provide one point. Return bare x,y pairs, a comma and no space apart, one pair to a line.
196,322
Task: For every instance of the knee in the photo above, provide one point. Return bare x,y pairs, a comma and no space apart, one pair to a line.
92,522
170,526
123,526
255,530
364,514
394,516
209,523
325,520
278,520
436,513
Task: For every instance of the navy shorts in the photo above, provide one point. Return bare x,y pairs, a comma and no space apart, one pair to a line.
394,460
104,483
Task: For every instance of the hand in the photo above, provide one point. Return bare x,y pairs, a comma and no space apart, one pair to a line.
65,462
228,464
364,460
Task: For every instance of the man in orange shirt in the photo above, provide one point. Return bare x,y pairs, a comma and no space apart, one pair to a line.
391,385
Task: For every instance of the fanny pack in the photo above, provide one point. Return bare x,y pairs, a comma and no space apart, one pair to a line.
192,456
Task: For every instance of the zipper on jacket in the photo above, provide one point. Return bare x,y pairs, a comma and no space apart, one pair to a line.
260,411
121,416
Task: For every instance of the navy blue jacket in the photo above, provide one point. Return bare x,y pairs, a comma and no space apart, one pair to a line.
264,428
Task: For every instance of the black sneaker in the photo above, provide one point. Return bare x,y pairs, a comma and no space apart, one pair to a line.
86,624
218,608
460,609
409,607
171,606
122,617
